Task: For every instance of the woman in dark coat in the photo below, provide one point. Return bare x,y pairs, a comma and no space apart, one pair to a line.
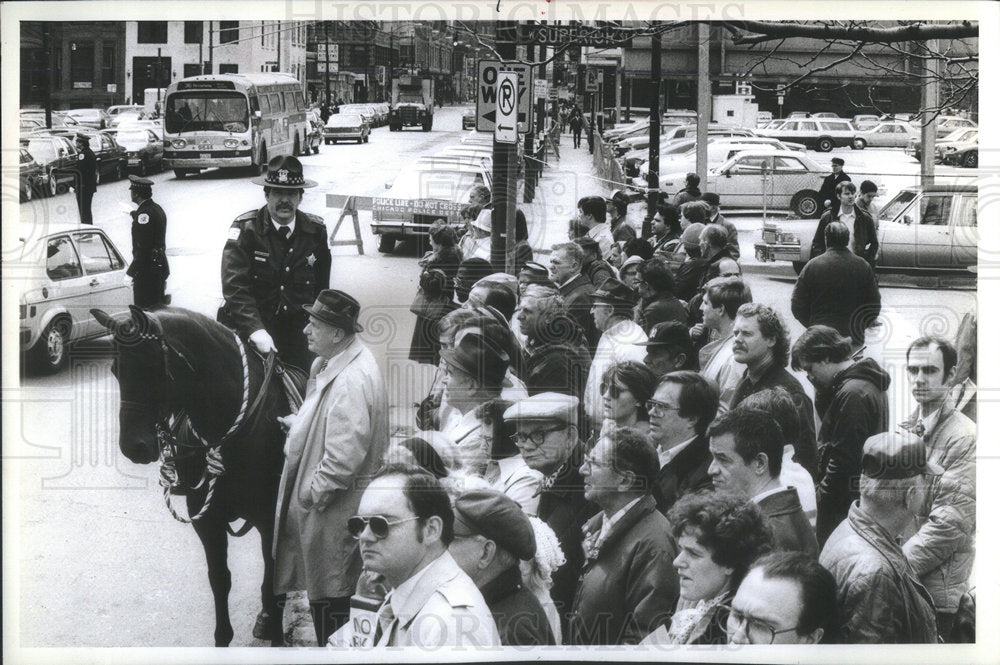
437,281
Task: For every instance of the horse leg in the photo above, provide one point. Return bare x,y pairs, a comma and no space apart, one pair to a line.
270,621
215,541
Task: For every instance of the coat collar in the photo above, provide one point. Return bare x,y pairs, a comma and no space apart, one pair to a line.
783,502
263,224
592,529
504,585
410,597
337,364
947,409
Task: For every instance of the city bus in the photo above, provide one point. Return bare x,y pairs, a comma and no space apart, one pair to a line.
233,121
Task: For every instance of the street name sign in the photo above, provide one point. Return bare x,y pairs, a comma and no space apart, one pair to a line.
507,102
579,35
486,94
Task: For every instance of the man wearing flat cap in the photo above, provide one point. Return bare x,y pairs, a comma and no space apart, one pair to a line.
149,268
276,260
492,534
620,336
549,440
879,598
828,190
336,443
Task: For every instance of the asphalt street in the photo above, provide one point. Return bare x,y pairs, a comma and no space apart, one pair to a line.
93,558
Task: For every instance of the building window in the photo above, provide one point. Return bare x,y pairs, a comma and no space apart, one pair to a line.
108,63
229,31
263,25
81,64
192,70
152,32
193,32
229,69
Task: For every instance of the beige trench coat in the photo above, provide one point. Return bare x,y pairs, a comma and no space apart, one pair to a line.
335,446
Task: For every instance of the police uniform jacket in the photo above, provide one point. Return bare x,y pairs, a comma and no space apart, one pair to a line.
87,167
265,279
149,230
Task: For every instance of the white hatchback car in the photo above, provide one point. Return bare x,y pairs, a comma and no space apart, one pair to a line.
65,271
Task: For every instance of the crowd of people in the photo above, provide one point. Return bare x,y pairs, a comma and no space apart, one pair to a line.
614,451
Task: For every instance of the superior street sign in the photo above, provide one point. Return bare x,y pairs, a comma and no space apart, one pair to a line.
579,35
486,94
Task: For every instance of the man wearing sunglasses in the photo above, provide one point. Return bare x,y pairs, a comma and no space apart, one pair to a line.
404,526
549,440
785,598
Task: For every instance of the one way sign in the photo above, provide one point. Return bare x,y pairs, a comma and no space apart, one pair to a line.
486,94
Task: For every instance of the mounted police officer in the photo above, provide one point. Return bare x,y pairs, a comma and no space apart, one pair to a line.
276,259
149,269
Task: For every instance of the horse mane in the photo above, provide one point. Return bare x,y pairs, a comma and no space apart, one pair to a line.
184,326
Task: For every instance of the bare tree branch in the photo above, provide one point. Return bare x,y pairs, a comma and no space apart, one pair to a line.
766,31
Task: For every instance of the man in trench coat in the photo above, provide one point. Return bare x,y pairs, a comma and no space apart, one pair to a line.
335,444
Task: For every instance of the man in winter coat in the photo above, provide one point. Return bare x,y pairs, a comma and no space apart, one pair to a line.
941,552
629,584
879,599
851,397
747,448
335,444
860,225
837,289
828,190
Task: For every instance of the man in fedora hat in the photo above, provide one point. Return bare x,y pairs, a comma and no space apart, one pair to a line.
149,268
620,336
336,442
276,260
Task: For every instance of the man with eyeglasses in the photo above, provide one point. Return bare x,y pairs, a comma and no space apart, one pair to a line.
680,412
492,534
404,526
785,598
549,440
629,584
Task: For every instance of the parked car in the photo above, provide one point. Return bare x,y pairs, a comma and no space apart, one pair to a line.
29,125
94,118
59,119
422,193
136,111
143,149
963,152
481,152
346,126
764,117
865,122
958,137
821,134
112,162
932,228
57,157
792,181
29,175
947,124
155,126
67,271
719,151
887,134
364,110
825,114
679,132
469,119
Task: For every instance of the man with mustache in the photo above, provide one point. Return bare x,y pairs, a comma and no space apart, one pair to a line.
276,260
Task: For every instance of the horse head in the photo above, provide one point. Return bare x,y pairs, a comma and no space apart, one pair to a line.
145,363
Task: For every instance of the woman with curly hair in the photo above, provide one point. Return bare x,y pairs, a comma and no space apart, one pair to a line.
719,534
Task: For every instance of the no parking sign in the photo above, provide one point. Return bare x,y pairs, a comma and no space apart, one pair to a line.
486,94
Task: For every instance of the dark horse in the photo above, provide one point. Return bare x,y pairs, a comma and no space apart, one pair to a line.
174,361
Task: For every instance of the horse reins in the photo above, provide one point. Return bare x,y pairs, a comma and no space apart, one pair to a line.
167,437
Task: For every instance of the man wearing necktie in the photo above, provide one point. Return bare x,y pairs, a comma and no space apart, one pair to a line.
404,525
276,260
943,548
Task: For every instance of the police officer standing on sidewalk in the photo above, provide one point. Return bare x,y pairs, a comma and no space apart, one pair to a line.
276,259
149,269
87,185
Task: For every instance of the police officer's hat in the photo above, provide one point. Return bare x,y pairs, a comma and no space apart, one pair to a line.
284,172
135,182
838,161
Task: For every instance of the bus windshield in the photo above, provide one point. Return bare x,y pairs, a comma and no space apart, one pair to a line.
204,110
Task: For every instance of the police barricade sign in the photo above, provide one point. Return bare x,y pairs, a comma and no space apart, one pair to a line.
432,207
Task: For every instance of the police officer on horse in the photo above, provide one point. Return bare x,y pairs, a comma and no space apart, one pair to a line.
276,259
149,269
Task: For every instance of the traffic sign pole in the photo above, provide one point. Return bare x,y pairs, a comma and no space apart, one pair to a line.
504,156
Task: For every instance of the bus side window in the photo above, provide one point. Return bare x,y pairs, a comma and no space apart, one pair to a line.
290,101
265,104
254,106
276,104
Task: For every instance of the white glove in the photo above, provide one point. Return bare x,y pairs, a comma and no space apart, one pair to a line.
262,340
